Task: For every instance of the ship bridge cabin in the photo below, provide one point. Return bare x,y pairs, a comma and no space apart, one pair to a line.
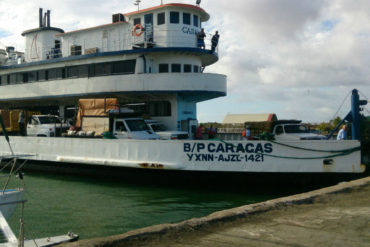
148,58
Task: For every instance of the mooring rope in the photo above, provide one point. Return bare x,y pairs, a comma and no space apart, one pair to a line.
336,153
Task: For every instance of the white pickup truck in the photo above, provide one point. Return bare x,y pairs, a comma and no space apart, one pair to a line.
119,125
45,125
132,128
165,134
294,131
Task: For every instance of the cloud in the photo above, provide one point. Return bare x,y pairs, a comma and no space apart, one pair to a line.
281,50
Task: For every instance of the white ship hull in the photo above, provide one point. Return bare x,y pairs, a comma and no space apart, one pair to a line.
189,155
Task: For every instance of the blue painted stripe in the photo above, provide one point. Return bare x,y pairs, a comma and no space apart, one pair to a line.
196,51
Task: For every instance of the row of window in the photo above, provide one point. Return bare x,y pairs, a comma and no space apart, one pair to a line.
79,71
174,19
176,68
90,70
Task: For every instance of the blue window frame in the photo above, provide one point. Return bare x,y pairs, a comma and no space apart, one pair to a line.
174,17
175,68
148,19
196,21
186,18
161,18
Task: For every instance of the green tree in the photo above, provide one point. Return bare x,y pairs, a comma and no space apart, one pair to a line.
334,122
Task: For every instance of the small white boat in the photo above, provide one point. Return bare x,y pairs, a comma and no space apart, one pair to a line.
7,199
10,197
12,241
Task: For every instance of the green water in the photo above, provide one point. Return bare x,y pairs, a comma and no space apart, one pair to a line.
97,207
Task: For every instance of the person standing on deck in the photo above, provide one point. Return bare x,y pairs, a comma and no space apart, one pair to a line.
211,132
214,40
247,133
199,132
342,134
201,35
21,123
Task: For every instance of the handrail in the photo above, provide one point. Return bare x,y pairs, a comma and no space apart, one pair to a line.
13,202
160,39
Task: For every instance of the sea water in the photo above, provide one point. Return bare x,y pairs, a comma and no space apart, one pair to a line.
101,206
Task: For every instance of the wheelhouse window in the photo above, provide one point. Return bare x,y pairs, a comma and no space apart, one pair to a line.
72,72
154,108
19,77
13,79
78,71
196,21
160,108
163,68
32,76
186,18
102,69
25,77
76,50
187,68
175,68
58,73
161,18
124,67
196,69
137,21
4,79
174,17
148,19
83,71
43,75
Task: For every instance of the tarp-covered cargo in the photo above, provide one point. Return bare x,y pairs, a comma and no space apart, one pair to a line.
95,108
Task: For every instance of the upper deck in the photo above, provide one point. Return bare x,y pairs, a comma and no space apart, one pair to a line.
149,58
165,26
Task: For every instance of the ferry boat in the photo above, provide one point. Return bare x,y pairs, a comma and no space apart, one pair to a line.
148,59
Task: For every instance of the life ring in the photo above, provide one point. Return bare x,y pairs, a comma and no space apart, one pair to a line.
137,27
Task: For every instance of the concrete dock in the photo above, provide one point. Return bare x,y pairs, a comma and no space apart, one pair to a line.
333,216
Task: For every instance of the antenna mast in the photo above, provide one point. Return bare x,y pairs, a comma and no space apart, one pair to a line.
137,4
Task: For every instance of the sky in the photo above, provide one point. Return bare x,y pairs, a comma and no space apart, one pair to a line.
297,59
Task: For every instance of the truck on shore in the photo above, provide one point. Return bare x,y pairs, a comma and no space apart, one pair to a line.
280,130
293,130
